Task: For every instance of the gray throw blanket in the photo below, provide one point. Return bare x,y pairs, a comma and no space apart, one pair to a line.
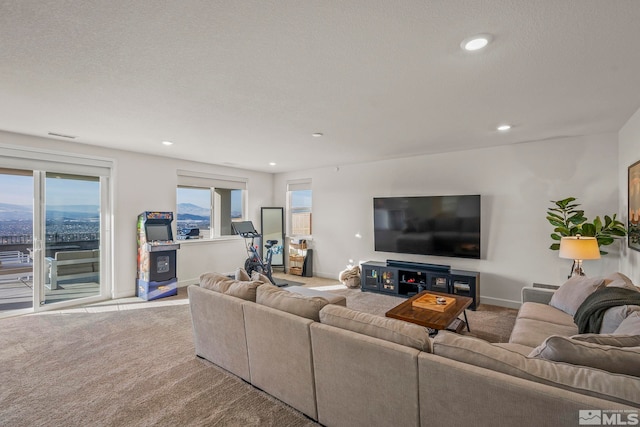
589,315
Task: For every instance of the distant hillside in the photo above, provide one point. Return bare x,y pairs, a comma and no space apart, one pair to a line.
191,212
189,217
11,212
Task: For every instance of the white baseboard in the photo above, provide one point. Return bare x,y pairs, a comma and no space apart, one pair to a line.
500,302
187,282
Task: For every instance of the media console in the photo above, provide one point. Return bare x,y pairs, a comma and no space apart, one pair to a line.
408,278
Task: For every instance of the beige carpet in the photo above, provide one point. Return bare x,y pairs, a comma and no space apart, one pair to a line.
129,367
132,363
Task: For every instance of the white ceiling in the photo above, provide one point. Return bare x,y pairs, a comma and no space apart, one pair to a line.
245,83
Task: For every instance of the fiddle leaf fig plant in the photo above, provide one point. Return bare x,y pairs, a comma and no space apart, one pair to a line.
568,220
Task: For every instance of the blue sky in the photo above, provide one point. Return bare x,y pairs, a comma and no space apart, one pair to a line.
301,199
72,192
18,190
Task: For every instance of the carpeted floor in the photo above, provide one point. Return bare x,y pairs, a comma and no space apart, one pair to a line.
127,367
132,363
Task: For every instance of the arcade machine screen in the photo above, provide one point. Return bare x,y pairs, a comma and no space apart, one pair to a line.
158,232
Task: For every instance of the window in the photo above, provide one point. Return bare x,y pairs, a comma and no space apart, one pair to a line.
193,212
208,204
299,208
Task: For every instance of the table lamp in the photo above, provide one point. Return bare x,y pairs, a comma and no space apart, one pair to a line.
579,248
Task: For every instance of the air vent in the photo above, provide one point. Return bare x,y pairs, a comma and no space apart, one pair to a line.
60,135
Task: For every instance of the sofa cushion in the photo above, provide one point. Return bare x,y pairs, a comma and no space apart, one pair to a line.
614,316
247,290
573,292
545,313
225,285
274,297
620,360
215,282
619,280
585,380
397,331
241,274
532,332
308,292
630,325
259,277
610,339
518,348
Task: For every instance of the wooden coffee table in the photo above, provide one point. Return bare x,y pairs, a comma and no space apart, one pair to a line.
431,318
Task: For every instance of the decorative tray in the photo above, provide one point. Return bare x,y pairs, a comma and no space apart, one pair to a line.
428,301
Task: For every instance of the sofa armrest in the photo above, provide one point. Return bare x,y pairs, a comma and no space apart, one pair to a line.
545,286
535,294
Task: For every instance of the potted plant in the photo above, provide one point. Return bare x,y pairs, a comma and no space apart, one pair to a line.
568,220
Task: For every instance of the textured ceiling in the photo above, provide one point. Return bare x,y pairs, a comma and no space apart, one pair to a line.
247,82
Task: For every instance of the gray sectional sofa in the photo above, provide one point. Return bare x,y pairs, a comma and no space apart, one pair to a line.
341,367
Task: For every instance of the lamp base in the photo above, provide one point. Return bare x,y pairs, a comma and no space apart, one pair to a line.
576,269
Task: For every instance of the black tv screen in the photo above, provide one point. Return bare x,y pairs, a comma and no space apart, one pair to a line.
446,226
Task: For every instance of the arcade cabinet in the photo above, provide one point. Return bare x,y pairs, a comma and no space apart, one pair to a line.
156,256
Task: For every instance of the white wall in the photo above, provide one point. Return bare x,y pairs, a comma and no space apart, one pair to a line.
148,183
516,183
628,154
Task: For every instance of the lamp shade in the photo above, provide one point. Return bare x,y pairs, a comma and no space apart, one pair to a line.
579,247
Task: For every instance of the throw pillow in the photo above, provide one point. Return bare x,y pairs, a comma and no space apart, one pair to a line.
619,360
619,280
573,292
247,290
259,277
581,379
393,330
610,339
614,316
216,282
241,274
274,297
630,325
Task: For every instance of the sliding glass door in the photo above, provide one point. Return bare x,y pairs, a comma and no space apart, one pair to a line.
53,249
16,240
71,237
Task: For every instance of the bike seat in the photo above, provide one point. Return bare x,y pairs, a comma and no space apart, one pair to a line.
270,243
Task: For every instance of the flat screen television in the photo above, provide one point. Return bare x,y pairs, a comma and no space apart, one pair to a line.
447,226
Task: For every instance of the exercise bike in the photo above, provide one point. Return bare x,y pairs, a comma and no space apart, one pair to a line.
254,261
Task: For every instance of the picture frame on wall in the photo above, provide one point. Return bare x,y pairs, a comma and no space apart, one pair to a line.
634,206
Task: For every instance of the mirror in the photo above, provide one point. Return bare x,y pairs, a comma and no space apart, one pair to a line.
272,220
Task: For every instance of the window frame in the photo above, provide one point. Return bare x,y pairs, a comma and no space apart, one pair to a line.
214,183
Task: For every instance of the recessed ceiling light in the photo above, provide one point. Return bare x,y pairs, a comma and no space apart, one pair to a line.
476,42
503,128
167,143
272,163
317,135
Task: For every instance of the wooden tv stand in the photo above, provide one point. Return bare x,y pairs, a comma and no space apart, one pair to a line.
412,278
